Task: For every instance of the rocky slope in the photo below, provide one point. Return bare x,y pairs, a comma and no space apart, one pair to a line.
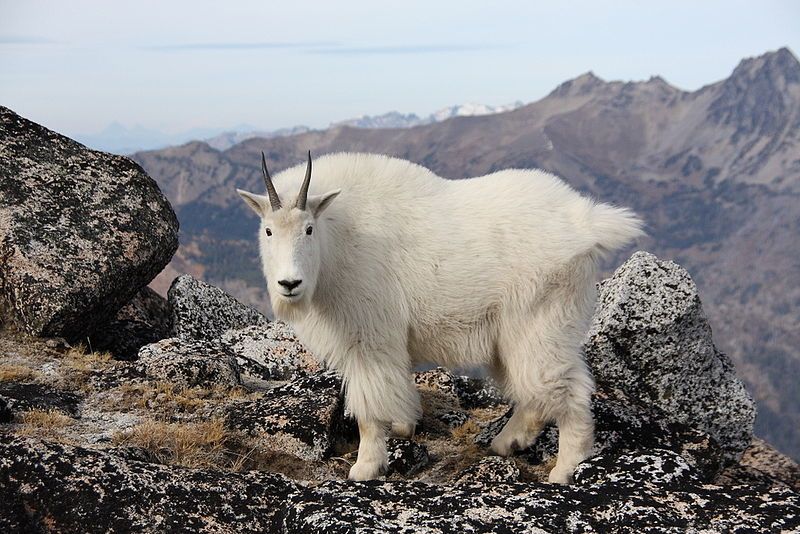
714,172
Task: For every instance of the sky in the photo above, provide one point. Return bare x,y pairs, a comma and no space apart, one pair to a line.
77,66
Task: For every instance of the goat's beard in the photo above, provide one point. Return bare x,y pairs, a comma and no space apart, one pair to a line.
287,310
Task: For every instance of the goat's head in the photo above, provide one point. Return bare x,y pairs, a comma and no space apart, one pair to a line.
290,238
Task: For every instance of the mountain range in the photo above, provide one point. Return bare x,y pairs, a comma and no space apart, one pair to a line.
714,172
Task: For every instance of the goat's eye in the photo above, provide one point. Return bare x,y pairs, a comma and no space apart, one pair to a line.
309,230
268,231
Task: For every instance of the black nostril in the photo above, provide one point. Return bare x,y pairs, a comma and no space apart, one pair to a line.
290,284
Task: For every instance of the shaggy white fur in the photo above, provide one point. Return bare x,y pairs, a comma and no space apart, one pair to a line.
405,267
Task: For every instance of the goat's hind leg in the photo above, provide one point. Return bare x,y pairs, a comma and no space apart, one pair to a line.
520,432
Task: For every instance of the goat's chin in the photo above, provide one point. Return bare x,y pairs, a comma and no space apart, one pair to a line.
288,309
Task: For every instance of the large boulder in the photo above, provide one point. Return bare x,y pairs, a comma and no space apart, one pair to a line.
650,339
202,311
81,231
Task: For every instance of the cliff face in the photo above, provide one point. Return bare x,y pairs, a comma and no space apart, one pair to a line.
202,415
715,173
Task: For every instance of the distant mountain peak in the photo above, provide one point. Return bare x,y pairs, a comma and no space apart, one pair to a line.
780,66
757,97
582,85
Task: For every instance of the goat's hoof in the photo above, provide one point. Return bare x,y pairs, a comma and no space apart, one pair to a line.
560,476
403,430
363,470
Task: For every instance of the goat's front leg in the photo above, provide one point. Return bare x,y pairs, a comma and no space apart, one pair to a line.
373,459
380,395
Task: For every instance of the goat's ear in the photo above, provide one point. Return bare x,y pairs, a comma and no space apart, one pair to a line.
318,203
258,203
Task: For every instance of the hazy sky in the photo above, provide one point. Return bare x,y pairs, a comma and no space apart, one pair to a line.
76,66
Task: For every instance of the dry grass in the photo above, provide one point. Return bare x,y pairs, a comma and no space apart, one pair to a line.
17,373
43,423
188,444
78,364
169,399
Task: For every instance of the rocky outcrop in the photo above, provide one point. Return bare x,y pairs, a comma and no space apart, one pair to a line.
650,340
82,490
189,363
202,311
303,418
270,352
80,231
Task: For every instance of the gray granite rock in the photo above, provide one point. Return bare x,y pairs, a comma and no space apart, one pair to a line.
469,392
189,363
650,339
144,320
46,487
18,398
603,506
202,311
304,418
270,352
81,231
406,457
489,470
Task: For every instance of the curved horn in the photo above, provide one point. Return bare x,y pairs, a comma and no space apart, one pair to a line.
302,196
274,201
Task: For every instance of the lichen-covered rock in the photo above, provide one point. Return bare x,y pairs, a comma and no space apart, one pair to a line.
762,464
17,398
657,466
144,320
189,363
469,392
413,507
80,231
270,352
406,457
621,427
489,470
650,339
303,418
202,311
58,488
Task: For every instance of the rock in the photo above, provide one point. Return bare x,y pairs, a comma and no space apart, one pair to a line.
453,418
144,320
660,467
650,339
622,427
80,231
414,507
59,488
189,363
489,470
304,418
270,352
16,398
202,311
469,392
406,457
762,464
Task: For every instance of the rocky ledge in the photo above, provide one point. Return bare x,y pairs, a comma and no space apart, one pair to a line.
198,414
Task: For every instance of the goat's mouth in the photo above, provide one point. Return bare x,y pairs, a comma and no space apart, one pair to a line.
291,295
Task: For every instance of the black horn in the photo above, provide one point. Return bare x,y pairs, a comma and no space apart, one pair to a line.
302,196
274,201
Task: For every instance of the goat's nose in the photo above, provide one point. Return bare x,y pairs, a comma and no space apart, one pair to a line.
290,284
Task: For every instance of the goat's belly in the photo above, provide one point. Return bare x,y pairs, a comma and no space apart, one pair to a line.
452,347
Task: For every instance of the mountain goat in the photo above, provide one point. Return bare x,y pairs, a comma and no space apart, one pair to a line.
405,267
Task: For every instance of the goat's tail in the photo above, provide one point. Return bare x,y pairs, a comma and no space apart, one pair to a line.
614,227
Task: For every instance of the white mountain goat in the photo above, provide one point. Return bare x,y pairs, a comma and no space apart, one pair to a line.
405,267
